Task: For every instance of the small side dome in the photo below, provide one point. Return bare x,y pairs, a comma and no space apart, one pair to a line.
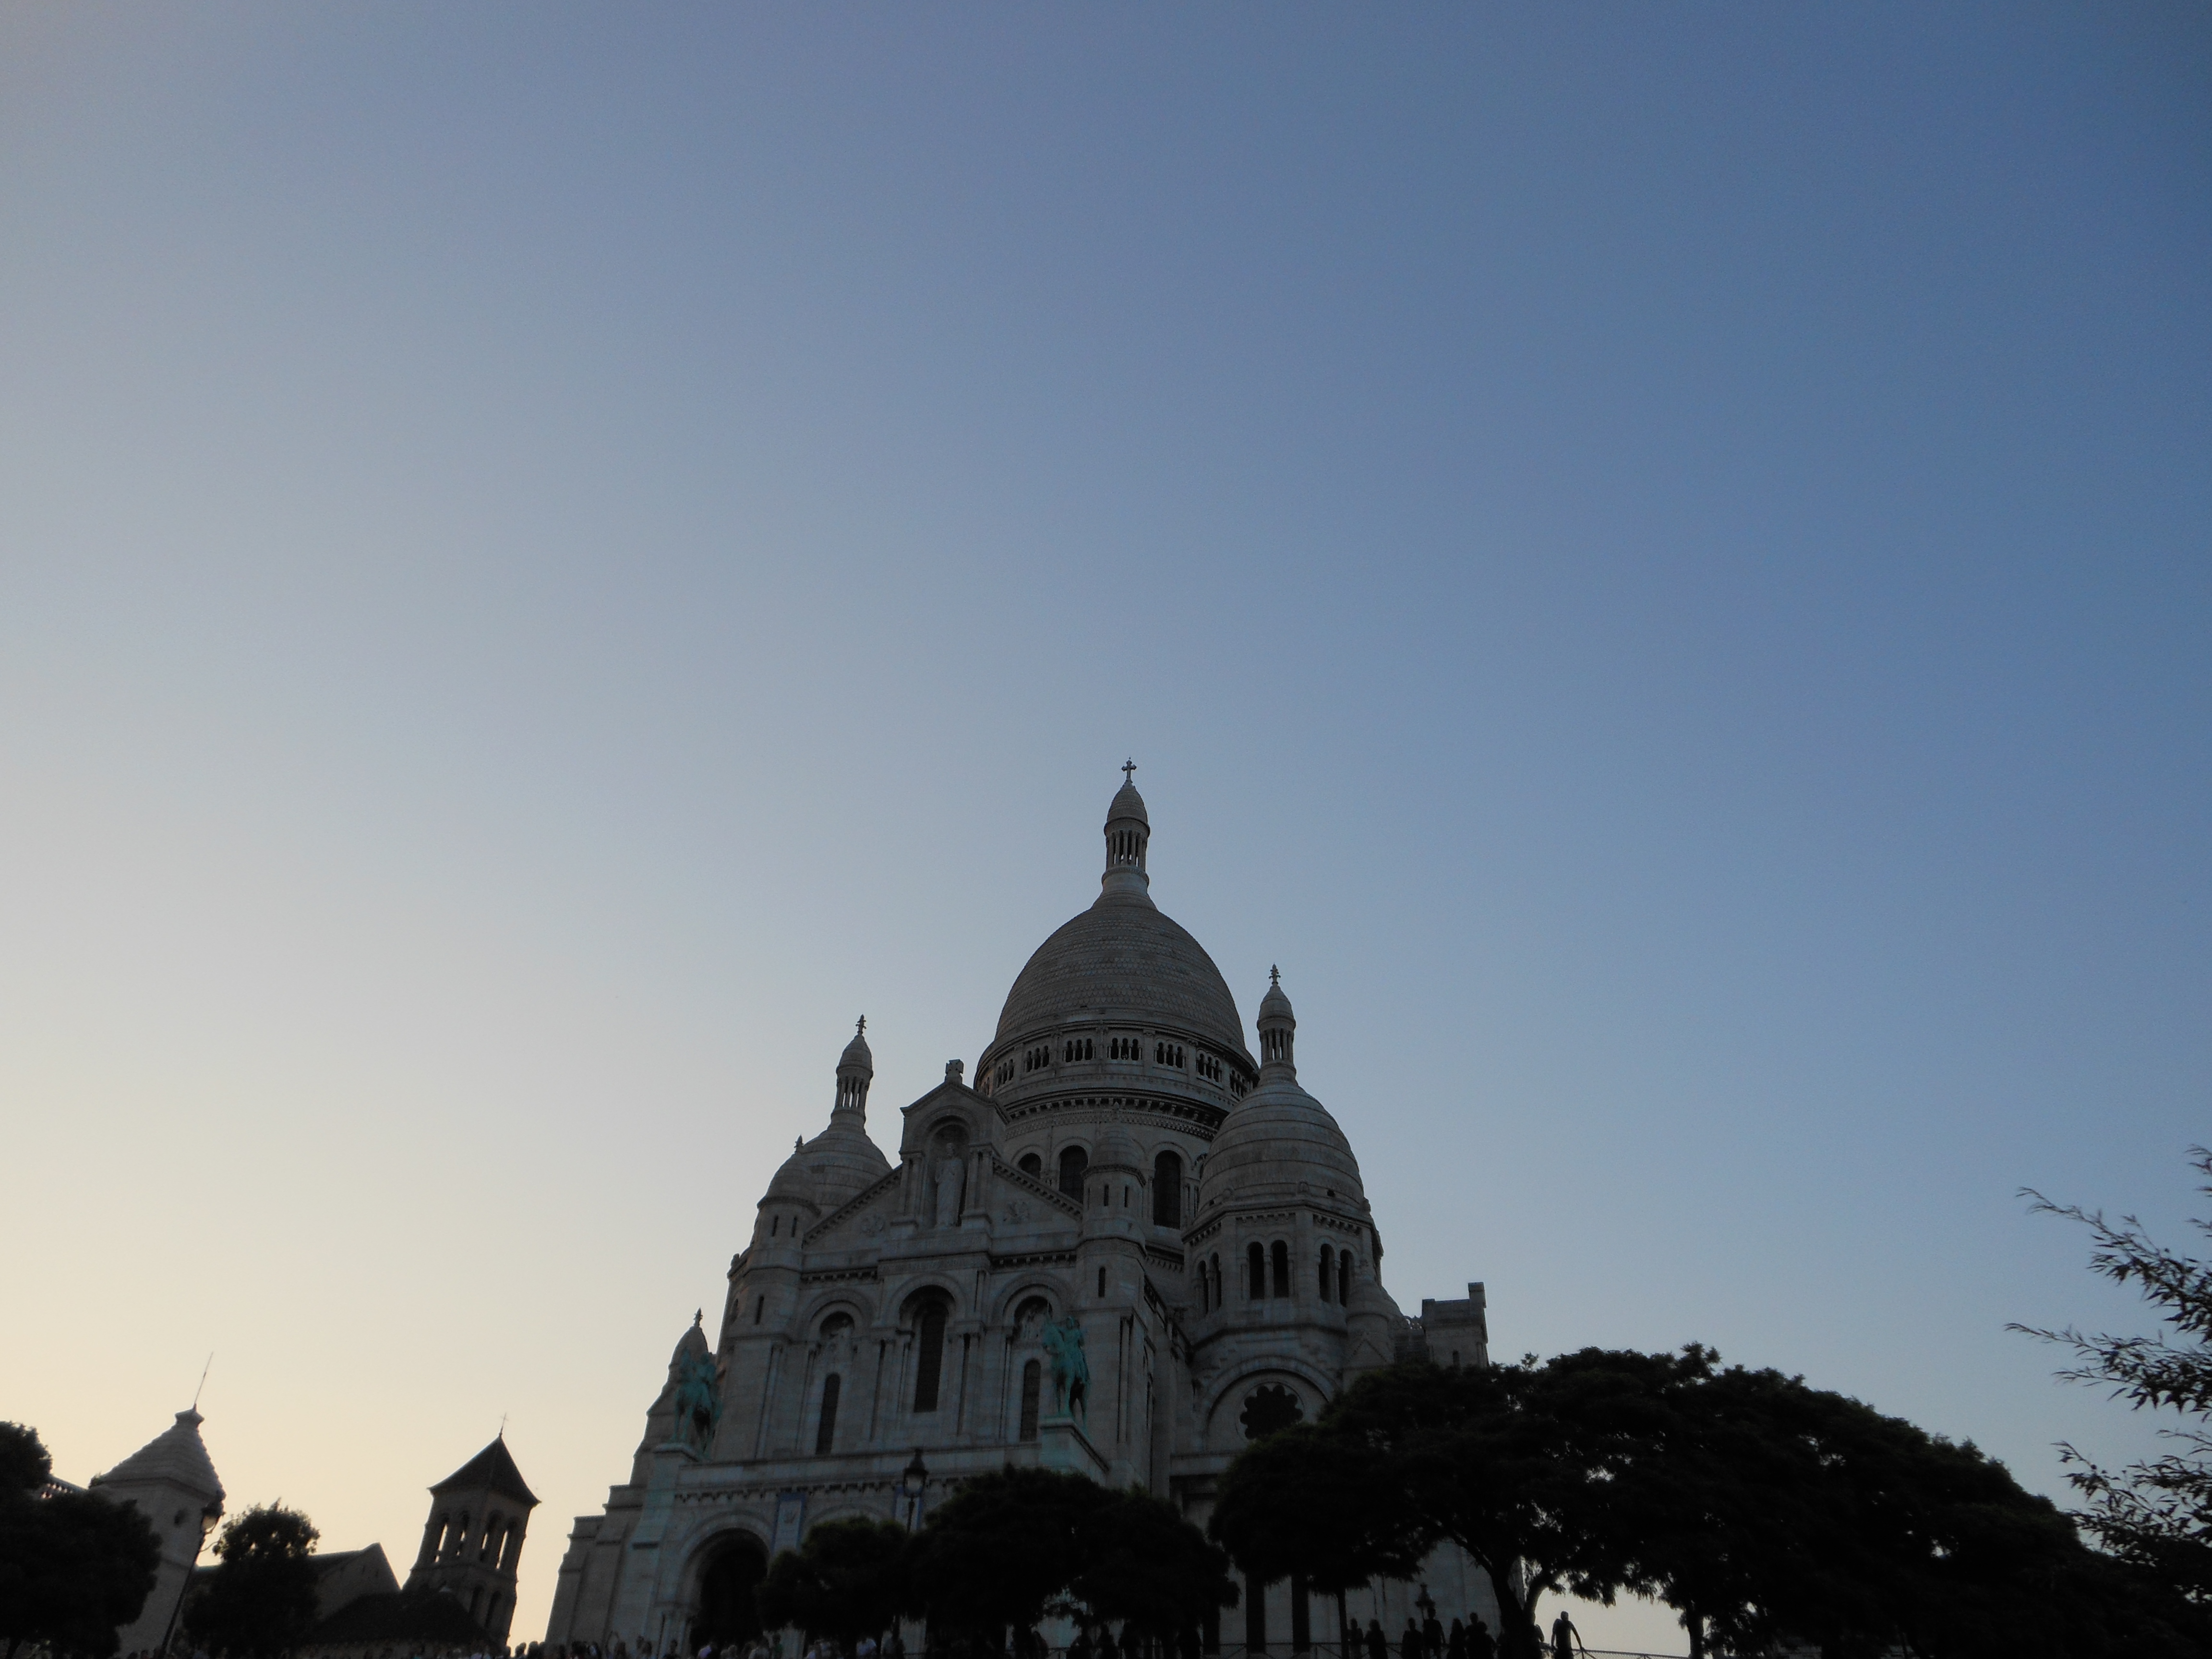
1279,1140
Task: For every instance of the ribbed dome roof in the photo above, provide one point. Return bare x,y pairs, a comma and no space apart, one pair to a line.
1277,1137
1127,803
1122,959
830,1169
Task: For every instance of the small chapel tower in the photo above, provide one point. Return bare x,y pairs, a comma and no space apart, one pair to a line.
172,1482
478,1514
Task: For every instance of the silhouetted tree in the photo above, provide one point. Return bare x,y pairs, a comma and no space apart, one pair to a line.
847,1581
260,1599
1001,1549
1759,1508
2156,1514
72,1567
1142,1562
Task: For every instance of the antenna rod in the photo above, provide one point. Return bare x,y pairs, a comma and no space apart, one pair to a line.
203,1371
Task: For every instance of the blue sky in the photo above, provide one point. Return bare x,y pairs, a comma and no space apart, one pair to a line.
1654,559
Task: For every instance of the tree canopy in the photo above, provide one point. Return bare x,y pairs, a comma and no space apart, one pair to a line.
1009,1547
1759,1508
2157,1514
73,1567
847,1580
260,1600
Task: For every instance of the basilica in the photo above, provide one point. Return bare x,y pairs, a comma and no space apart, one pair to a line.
1125,1248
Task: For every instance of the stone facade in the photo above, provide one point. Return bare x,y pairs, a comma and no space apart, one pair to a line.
1123,1169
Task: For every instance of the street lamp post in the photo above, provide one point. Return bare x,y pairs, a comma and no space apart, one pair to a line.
912,1479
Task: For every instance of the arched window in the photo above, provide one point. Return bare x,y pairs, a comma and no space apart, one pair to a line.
929,1357
1282,1268
1256,1282
1344,1278
1032,1165
510,1547
491,1535
825,1435
1167,1190
1328,1273
460,1538
837,1325
1073,1161
1032,1385
1220,1292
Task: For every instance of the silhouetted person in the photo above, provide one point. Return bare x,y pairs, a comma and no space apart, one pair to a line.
1456,1643
1432,1635
1378,1645
1564,1637
1409,1644
1479,1642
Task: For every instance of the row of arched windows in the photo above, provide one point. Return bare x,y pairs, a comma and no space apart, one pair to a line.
1075,1161
1268,1275
449,1538
1073,1050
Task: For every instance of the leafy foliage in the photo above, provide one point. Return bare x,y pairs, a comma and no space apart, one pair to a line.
1001,1549
72,1567
1143,1562
260,1600
848,1580
24,1462
1010,1547
1760,1509
2156,1514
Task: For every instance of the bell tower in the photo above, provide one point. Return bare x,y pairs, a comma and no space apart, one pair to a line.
473,1538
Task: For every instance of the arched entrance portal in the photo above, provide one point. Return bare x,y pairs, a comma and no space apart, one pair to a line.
733,1570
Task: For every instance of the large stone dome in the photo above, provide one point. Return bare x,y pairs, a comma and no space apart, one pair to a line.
1123,960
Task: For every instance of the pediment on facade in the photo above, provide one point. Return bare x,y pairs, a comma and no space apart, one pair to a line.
950,1106
861,1218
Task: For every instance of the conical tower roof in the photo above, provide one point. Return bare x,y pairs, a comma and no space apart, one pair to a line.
491,1469
176,1456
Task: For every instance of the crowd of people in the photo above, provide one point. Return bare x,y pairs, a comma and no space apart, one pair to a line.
1427,1639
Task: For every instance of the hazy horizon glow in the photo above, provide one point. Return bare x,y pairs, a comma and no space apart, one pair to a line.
1655,561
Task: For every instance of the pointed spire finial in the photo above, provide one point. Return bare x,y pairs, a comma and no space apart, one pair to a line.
861,1029
797,1142
699,1318
1275,976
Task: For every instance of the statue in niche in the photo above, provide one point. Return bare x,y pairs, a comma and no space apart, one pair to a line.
951,1173
1070,1370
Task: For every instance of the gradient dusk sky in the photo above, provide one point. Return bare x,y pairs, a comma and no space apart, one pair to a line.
1654,557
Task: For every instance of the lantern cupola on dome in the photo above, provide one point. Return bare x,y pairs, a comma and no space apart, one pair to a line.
1279,1029
1128,830
856,1069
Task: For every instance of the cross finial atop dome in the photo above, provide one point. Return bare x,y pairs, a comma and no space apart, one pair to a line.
1275,976
1127,767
